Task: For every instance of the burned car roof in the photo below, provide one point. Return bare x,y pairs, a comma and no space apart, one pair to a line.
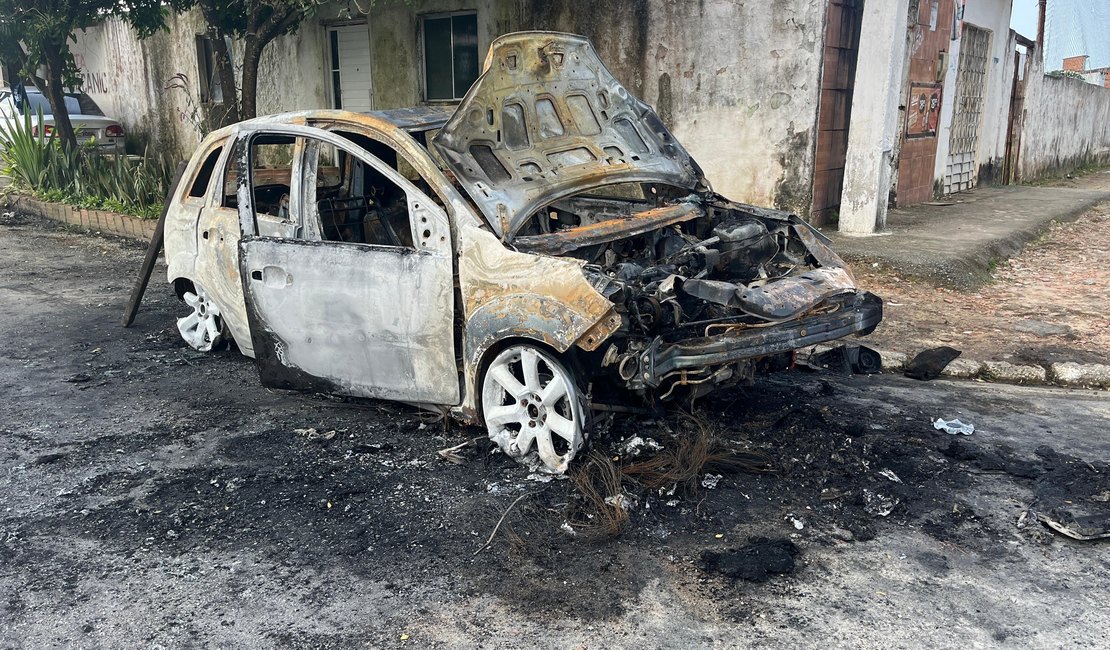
547,119
418,118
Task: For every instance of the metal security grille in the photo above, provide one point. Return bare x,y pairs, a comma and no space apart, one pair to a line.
971,78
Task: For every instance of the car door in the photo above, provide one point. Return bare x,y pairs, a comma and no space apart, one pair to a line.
338,309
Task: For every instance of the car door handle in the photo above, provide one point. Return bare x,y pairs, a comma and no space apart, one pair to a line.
272,276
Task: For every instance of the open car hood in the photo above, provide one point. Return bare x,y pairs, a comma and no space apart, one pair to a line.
547,119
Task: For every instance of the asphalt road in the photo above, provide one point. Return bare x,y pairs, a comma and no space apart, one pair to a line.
155,497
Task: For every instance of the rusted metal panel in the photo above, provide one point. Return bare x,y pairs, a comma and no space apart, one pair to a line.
605,231
507,294
418,118
856,313
547,119
217,270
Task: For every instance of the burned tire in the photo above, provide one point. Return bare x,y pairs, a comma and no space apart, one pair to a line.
533,407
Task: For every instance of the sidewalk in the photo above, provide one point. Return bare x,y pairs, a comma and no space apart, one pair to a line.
957,245
1017,278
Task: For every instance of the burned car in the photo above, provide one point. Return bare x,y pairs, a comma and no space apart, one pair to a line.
545,250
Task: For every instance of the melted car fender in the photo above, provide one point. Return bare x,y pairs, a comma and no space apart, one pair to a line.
507,294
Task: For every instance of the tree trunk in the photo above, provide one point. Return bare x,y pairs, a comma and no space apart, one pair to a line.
55,94
230,108
252,54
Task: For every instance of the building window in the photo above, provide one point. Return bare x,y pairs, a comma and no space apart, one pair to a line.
211,90
336,87
450,54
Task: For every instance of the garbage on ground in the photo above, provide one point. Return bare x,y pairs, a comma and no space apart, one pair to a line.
710,481
636,446
568,529
929,364
889,475
620,501
1082,527
313,434
878,504
848,359
954,427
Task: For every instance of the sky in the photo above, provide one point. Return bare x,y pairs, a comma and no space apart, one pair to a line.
1072,27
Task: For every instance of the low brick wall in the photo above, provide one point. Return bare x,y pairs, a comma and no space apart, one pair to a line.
111,223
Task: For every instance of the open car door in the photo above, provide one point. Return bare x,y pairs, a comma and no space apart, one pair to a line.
354,316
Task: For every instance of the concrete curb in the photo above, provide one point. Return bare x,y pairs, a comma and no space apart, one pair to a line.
1067,374
102,221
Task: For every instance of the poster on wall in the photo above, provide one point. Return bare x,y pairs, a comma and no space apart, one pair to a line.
923,110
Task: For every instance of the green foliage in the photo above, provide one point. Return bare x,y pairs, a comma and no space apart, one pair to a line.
24,154
83,176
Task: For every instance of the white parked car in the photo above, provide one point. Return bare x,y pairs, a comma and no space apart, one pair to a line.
546,250
89,123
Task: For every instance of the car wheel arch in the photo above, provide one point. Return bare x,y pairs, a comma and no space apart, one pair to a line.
181,286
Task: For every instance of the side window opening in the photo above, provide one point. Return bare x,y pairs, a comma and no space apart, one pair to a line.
204,174
358,204
271,169
271,174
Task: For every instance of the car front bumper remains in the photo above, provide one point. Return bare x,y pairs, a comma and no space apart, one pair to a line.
856,313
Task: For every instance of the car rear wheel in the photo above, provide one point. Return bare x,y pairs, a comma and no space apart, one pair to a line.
202,328
530,399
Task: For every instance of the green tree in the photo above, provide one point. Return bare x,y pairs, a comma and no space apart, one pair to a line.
35,34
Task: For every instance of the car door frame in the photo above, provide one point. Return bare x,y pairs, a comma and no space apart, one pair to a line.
429,374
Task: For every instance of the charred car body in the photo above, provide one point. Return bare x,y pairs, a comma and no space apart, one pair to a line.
546,247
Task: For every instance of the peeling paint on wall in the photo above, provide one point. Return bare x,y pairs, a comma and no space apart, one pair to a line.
136,73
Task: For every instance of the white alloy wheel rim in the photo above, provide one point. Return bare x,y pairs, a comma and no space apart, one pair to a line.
529,397
202,328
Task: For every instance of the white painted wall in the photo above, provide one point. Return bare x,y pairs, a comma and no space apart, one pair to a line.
1066,125
993,16
737,82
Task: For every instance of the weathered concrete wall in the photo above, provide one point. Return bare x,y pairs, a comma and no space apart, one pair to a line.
993,16
396,57
737,82
128,77
1066,124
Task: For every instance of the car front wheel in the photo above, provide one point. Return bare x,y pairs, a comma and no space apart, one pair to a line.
533,408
